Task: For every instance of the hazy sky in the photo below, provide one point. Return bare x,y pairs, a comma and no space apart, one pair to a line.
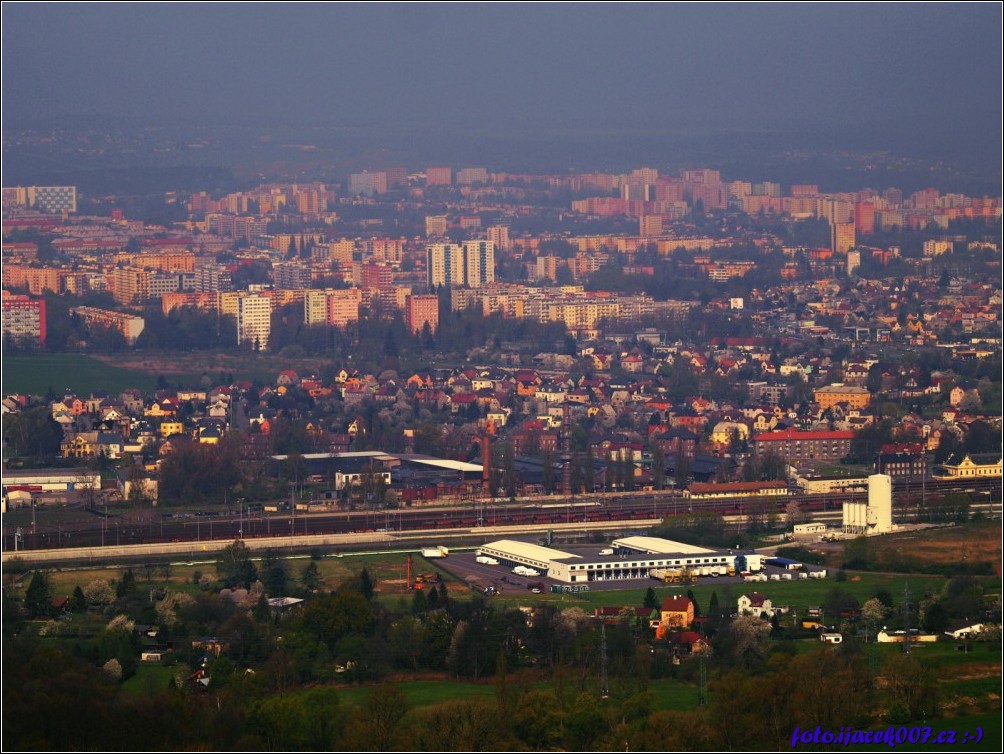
508,65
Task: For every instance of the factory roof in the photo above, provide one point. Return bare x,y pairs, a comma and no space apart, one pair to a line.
441,463
529,550
659,546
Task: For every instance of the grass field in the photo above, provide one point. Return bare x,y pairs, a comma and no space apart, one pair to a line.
425,692
974,542
671,694
79,374
388,573
83,374
668,693
152,679
945,547
989,723
795,594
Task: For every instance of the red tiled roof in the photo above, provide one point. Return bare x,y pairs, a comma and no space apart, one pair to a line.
794,434
687,637
676,604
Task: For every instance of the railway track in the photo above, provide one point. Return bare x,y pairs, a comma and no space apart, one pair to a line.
910,502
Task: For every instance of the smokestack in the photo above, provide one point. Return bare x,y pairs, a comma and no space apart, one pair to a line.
486,464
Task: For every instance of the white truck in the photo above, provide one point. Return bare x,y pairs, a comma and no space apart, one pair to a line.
485,560
435,552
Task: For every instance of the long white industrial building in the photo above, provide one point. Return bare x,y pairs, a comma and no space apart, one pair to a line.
632,558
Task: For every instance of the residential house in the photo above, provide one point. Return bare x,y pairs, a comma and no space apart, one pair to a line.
685,643
755,604
676,612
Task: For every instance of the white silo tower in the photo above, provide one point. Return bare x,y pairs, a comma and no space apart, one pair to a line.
879,504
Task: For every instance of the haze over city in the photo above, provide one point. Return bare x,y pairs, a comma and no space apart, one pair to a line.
904,76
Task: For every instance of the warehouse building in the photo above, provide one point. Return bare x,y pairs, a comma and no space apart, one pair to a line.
51,480
631,558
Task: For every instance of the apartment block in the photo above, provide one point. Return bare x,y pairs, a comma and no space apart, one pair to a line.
435,226
438,176
469,176
254,321
294,276
796,447
24,318
421,310
368,184
335,308
130,326
54,200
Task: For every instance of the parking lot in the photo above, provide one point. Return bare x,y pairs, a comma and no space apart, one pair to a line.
465,567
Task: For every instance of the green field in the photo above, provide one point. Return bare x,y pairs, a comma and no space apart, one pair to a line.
424,693
672,694
79,374
82,375
989,723
795,594
152,679
668,693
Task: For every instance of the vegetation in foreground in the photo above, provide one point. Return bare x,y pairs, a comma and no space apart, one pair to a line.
353,669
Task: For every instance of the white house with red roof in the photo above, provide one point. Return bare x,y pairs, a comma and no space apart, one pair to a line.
755,604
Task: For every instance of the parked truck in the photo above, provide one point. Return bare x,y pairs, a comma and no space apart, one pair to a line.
435,552
485,560
673,575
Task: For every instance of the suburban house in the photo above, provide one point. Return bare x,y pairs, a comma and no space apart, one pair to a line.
755,604
685,643
676,612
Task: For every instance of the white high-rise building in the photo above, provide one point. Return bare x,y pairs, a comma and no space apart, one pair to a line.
470,264
254,321
499,235
479,263
445,264
853,261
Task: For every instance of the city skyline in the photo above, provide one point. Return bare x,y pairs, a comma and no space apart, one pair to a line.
379,376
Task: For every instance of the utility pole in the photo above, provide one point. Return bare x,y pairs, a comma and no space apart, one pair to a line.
906,618
604,691
702,681
566,452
